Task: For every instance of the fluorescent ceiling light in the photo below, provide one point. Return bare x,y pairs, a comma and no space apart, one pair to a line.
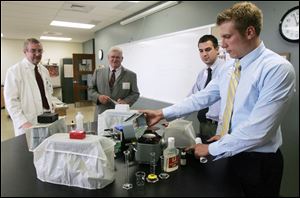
55,38
1,35
72,25
150,11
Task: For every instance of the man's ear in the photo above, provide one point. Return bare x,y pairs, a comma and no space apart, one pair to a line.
250,32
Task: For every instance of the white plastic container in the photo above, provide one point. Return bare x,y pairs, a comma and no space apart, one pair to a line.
171,156
79,121
182,131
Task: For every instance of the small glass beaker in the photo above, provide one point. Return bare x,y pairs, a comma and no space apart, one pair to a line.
163,174
140,178
89,128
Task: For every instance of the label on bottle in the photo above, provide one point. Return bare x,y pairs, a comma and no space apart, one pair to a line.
173,162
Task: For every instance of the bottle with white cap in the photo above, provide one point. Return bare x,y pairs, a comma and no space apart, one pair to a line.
171,156
199,141
79,121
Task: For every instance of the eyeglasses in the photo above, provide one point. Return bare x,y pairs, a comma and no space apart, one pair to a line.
35,51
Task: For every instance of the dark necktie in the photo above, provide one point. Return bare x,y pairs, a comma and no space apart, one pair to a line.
40,83
202,113
208,76
112,79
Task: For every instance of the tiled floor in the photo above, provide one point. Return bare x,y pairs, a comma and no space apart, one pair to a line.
7,130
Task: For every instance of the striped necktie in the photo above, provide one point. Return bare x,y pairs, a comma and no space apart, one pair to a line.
234,81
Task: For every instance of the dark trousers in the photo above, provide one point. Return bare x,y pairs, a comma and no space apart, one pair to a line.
207,129
259,174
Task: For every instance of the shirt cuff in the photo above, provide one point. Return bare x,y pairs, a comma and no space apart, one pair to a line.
167,113
213,149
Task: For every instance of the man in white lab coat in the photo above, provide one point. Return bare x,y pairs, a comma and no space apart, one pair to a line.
28,88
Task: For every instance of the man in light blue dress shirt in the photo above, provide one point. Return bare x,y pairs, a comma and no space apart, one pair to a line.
209,51
264,91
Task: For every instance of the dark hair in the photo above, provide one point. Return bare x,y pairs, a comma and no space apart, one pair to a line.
209,37
30,40
243,15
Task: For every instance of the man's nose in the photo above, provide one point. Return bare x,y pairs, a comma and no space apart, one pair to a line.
223,44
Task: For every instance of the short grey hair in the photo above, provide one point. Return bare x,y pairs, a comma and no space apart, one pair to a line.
115,49
30,40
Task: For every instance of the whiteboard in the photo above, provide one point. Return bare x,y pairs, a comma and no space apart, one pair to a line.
166,66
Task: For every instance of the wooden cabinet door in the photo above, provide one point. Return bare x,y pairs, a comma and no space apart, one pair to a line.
83,66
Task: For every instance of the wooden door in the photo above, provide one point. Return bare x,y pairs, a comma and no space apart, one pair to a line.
83,66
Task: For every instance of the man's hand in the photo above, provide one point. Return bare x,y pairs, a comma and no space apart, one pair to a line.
103,99
214,138
120,101
152,116
200,150
26,125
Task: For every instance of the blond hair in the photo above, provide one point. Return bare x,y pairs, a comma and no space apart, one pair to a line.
243,14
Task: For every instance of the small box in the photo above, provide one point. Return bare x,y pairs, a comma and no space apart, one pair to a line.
77,134
47,117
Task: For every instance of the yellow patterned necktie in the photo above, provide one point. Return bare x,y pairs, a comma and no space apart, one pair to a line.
234,81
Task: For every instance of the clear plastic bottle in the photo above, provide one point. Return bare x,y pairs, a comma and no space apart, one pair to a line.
79,121
171,156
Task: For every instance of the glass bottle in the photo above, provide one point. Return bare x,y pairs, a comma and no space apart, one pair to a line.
183,158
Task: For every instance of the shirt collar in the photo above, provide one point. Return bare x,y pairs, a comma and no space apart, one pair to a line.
213,66
29,64
117,70
250,57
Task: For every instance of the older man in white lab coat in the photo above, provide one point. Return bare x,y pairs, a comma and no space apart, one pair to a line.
25,97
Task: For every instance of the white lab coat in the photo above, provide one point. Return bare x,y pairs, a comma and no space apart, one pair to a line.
22,95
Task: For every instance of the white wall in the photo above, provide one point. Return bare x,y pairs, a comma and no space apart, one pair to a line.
12,52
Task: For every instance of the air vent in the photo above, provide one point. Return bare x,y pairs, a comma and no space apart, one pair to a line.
52,33
76,7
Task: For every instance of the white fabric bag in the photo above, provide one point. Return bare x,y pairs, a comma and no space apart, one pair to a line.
86,163
39,132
